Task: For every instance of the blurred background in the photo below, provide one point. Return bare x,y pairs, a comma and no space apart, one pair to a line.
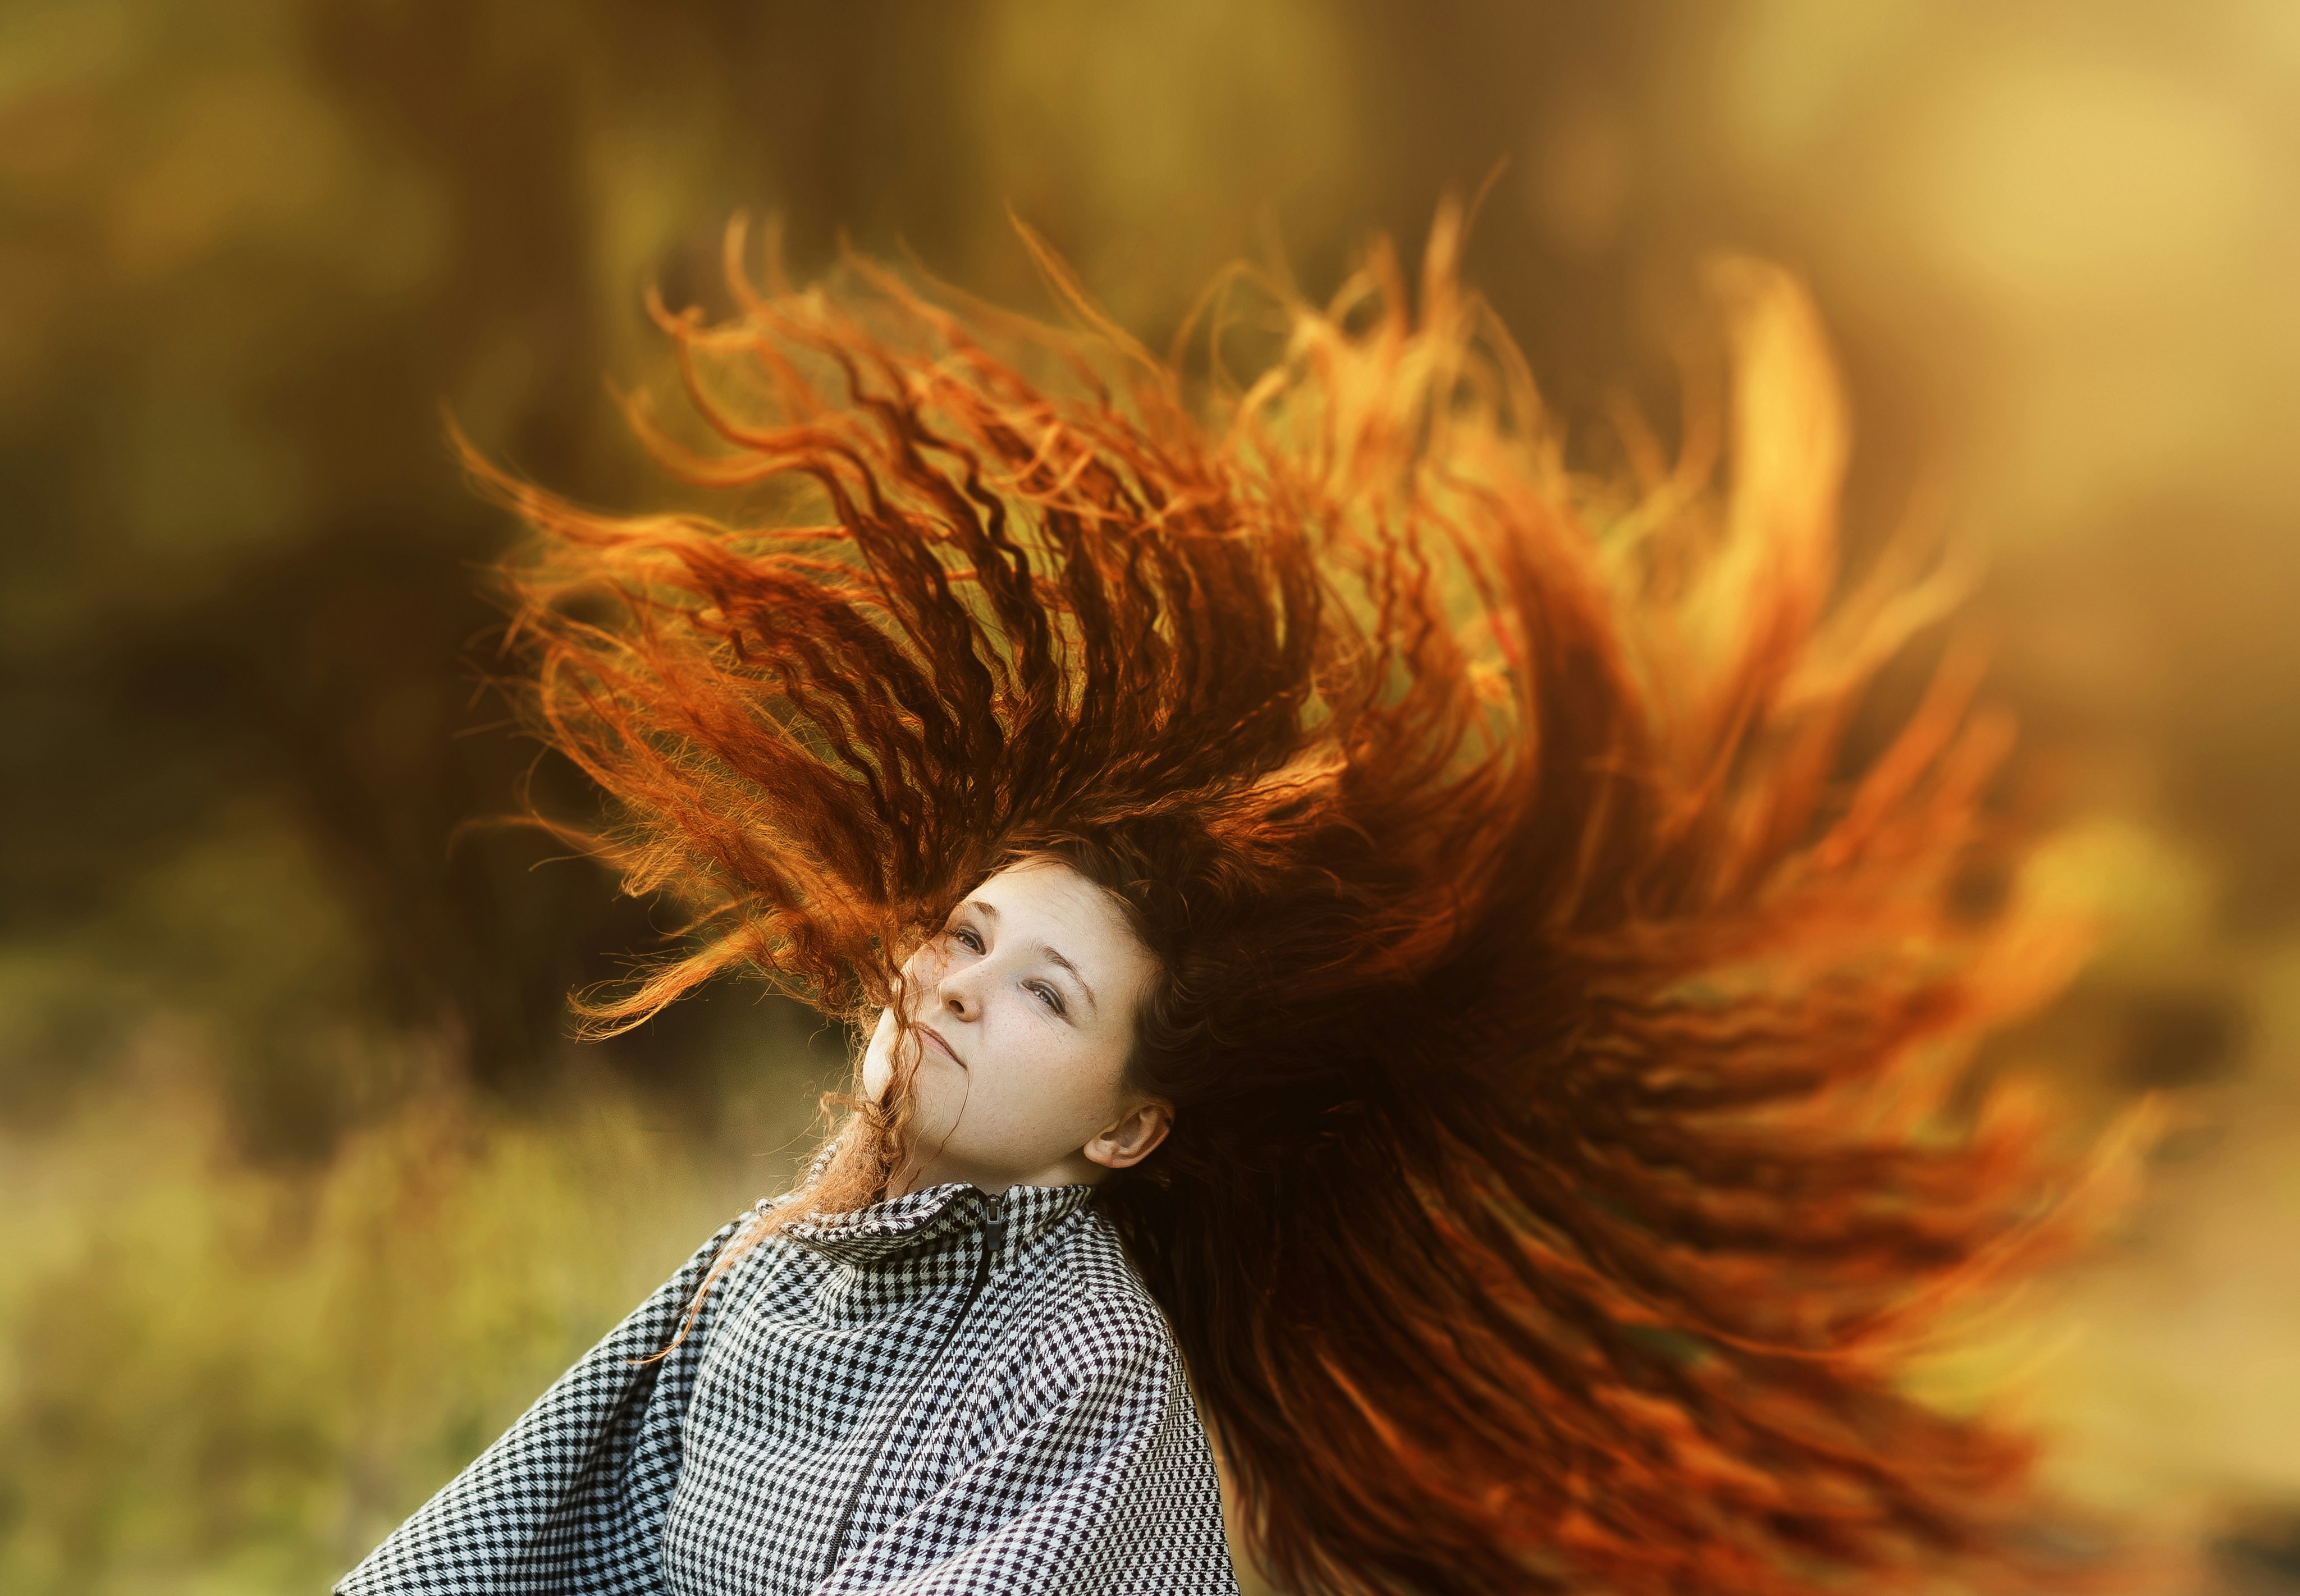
303,1193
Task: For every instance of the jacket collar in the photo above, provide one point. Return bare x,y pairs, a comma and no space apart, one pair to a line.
883,1230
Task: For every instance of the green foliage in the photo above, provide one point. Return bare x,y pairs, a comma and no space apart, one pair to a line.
224,1377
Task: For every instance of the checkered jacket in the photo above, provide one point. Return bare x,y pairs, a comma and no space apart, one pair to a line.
948,1393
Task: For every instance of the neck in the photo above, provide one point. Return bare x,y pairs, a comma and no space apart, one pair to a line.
1075,1170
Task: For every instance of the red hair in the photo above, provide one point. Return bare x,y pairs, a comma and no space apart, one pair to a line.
1559,1017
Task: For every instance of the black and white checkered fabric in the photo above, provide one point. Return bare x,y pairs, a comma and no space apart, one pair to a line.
948,1393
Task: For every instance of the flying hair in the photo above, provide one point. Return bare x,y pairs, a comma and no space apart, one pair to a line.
1564,1020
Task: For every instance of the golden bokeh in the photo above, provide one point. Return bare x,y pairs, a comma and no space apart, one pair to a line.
301,1191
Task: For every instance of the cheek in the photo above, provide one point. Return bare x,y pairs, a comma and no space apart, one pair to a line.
1065,1087
878,1058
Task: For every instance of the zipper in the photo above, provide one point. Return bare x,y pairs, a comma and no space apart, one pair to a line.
993,1234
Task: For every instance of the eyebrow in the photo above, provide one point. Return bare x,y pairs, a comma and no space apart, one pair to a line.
1054,956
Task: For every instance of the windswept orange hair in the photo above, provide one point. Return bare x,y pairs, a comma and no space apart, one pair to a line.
1561,1019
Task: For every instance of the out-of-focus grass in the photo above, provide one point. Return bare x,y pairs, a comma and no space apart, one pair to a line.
222,1377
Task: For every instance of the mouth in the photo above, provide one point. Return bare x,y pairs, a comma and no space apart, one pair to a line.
935,1039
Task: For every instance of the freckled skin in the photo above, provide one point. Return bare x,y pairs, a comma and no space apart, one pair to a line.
1033,985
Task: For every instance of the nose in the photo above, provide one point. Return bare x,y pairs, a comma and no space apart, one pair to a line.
959,994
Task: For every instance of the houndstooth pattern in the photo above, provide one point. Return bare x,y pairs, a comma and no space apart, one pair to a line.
948,1393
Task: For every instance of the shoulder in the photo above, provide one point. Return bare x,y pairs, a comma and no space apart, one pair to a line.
1097,1322
750,1253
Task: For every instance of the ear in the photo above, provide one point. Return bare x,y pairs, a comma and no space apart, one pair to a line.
1134,1137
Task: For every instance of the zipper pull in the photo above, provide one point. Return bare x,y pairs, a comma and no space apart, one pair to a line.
994,1235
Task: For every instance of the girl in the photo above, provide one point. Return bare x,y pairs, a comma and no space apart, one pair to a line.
1372,939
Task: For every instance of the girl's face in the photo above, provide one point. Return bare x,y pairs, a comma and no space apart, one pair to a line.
1022,1016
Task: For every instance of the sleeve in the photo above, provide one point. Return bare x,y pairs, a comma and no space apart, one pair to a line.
569,1501
1106,1488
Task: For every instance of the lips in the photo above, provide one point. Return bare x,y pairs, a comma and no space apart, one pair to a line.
935,1039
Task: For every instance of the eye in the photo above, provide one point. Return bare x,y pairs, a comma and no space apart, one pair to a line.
966,938
1046,995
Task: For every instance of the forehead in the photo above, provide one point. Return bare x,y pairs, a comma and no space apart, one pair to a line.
1048,899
